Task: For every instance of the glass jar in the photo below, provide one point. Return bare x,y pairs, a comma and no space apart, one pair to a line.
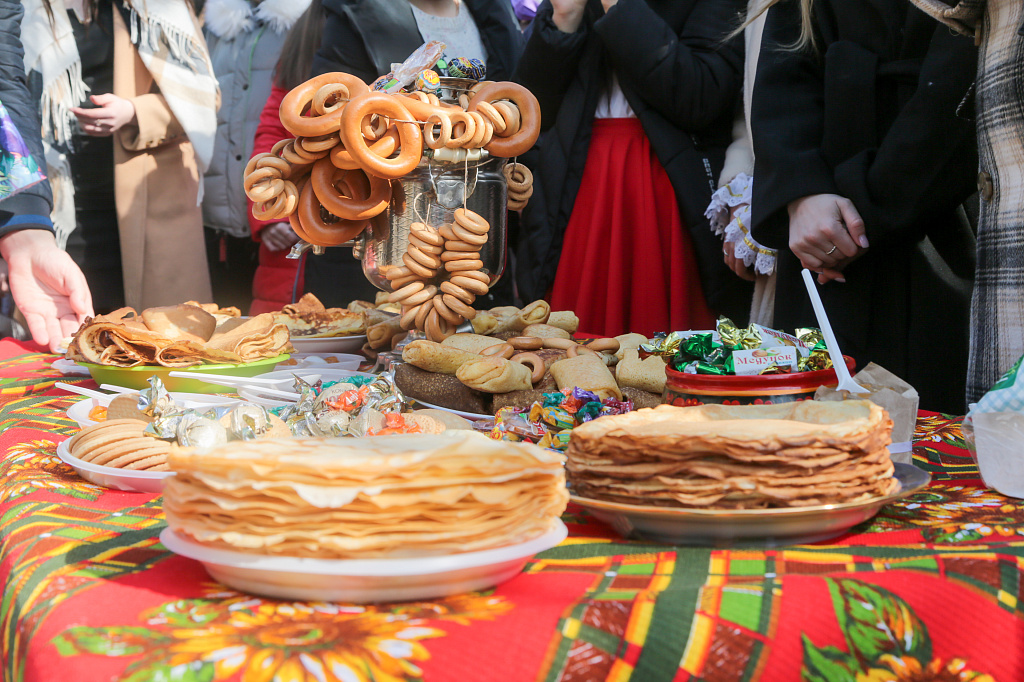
430,194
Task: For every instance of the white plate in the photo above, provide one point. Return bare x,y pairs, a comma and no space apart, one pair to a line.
117,479
471,416
329,344
79,412
363,580
324,360
781,526
285,381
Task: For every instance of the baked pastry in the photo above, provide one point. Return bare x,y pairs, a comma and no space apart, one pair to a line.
735,457
443,390
647,374
587,372
347,498
492,374
436,357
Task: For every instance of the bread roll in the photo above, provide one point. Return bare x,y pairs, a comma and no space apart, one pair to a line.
523,399
587,372
647,374
435,357
546,331
451,421
564,319
492,374
471,343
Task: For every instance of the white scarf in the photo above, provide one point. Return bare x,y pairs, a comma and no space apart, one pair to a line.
170,47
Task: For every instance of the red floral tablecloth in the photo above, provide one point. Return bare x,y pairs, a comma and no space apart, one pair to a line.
928,590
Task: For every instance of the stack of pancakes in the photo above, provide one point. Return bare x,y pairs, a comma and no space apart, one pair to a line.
347,498
735,457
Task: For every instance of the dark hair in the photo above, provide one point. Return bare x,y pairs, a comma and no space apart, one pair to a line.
296,60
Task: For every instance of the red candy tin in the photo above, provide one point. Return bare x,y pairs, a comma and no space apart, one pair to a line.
684,389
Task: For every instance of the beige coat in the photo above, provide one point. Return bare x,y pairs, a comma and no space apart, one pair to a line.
156,182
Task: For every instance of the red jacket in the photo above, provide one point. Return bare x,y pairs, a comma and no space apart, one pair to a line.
275,279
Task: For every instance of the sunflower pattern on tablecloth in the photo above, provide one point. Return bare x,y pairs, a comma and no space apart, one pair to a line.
226,633
34,466
885,642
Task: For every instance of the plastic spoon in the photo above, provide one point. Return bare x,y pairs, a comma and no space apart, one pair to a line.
846,382
87,392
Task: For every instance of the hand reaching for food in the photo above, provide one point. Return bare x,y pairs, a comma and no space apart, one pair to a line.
110,115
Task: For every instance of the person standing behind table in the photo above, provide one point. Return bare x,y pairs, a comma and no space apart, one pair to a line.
997,308
730,205
862,154
637,98
47,286
127,161
279,280
245,38
363,38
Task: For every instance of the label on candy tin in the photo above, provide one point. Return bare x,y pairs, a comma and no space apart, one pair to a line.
748,362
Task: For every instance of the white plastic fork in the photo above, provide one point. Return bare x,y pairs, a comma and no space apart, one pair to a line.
87,392
846,382
236,382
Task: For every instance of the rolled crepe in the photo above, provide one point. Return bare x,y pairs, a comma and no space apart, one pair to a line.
376,316
360,306
493,374
587,372
564,319
504,310
443,390
484,323
518,320
471,343
546,331
647,374
435,357
180,322
627,341
379,335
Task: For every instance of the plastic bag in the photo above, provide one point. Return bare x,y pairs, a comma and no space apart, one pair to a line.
994,431
18,170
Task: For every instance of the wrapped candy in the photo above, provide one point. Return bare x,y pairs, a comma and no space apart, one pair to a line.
477,70
428,81
549,422
386,83
460,67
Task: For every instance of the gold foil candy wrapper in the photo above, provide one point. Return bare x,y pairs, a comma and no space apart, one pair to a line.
731,335
155,400
775,369
811,336
818,359
665,345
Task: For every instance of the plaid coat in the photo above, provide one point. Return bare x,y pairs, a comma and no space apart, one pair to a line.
997,310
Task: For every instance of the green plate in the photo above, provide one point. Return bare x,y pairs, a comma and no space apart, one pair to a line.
138,377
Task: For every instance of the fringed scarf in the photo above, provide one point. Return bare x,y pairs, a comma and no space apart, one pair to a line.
171,47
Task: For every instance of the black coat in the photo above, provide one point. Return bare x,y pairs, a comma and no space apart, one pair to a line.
17,212
682,82
872,115
364,37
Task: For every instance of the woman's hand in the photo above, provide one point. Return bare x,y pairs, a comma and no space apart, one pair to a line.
110,115
742,270
826,232
48,288
278,236
568,14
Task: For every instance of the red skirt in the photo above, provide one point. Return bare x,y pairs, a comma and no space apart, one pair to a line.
627,264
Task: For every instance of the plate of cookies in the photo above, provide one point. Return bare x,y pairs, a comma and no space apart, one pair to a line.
116,454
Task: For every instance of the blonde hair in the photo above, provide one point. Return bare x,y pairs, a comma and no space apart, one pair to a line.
806,38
